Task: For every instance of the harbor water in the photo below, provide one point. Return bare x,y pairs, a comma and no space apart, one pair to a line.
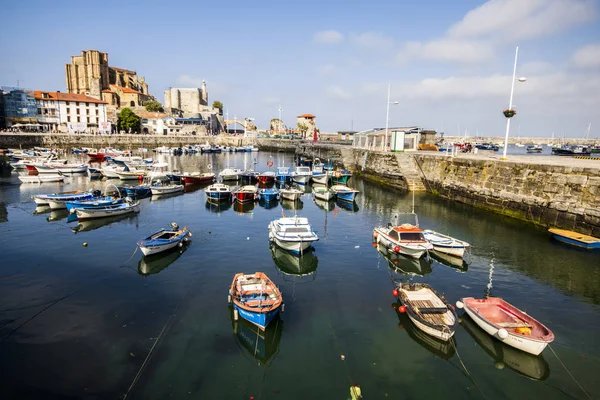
84,315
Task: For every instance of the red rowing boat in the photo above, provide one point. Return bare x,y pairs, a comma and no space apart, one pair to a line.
246,194
191,178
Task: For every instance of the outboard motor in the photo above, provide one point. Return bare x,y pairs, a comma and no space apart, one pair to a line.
96,193
174,226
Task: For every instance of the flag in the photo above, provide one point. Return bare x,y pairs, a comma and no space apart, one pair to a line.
315,137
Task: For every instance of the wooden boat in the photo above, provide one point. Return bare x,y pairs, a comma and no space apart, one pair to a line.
131,175
266,177
341,176
218,192
41,178
164,239
94,173
269,195
405,239
508,324
255,298
93,203
301,175
158,190
41,199
107,211
191,178
230,174
323,193
446,244
428,311
344,192
246,194
575,239
292,234
289,193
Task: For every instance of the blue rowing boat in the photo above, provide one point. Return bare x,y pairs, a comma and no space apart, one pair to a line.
255,298
93,203
269,195
575,239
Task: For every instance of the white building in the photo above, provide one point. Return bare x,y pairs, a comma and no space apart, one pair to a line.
395,139
155,123
71,112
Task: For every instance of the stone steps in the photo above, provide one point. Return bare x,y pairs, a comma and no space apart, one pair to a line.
411,172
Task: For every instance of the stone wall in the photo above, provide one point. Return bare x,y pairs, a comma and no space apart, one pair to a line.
547,195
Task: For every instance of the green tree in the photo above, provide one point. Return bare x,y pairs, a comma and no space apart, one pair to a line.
154,106
302,128
219,105
127,121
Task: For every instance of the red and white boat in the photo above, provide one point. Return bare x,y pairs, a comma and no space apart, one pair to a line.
246,194
508,324
96,156
406,239
192,178
267,176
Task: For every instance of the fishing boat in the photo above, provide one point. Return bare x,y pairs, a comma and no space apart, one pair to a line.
319,175
255,298
323,193
269,195
131,175
158,171
301,175
507,323
283,175
40,178
138,192
429,312
55,168
93,203
405,239
191,178
341,176
230,174
571,151
106,211
94,173
96,155
290,193
41,199
158,189
344,192
218,192
249,177
292,233
575,238
60,202
535,148
246,194
164,239
266,177
446,244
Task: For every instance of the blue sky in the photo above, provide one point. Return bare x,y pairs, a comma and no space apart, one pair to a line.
449,62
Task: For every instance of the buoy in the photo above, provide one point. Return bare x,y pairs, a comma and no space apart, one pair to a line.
397,249
84,244
395,293
235,315
459,304
342,357
229,298
375,234
499,365
180,244
251,397
402,309
502,333
283,307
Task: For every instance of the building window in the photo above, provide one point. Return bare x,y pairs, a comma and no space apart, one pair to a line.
67,103
132,104
39,111
68,111
78,119
96,106
96,111
68,118
77,111
88,120
77,103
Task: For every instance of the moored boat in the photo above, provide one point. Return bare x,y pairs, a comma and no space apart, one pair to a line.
290,193
323,193
508,324
292,233
575,238
535,148
344,192
246,194
230,174
107,211
131,175
301,175
427,310
249,177
269,194
446,244
93,203
158,190
164,239
41,199
94,173
191,178
283,175
266,177
218,192
255,298
404,239
341,176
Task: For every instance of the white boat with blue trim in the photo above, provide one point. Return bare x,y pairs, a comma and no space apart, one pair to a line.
292,233
164,240
446,244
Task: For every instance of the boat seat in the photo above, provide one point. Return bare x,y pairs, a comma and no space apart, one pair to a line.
514,325
432,310
264,303
251,292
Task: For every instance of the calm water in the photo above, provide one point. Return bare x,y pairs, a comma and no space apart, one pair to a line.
79,322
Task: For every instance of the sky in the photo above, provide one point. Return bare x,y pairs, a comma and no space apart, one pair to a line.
449,64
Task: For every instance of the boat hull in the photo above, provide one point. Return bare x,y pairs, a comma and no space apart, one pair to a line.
322,179
245,197
91,213
341,180
157,191
192,180
301,179
261,320
41,178
441,335
293,196
571,238
218,196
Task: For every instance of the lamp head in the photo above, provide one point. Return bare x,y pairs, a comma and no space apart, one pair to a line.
522,79
395,102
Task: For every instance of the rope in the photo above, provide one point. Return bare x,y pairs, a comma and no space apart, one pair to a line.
135,251
569,372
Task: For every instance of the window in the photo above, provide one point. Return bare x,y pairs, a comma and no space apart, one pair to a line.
412,236
88,120
393,234
132,104
77,103
68,111
96,110
96,107
68,118
39,111
78,119
77,111
67,103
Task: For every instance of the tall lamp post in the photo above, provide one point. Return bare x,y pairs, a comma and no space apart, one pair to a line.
509,113
280,110
387,118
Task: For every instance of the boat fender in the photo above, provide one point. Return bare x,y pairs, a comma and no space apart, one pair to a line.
283,307
180,244
499,365
397,249
235,315
502,333
229,299
459,304
402,309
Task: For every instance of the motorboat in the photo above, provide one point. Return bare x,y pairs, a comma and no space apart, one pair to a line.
301,175
230,174
60,202
290,193
266,177
158,171
249,177
110,171
269,195
292,233
535,148
138,192
405,239
429,312
164,240
42,199
508,324
323,193
218,192
283,175
246,194
255,298
344,192
131,175
55,168
575,239
319,175
106,211
93,203
191,178
341,176
571,151
159,189
446,244
487,146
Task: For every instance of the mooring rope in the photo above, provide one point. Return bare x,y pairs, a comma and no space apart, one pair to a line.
569,372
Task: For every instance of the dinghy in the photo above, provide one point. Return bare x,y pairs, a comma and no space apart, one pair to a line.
575,239
164,239
158,190
293,234
41,178
428,311
41,199
508,324
255,298
218,192
446,244
107,211
246,194
268,195
93,203
191,178
344,192
323,193
289,193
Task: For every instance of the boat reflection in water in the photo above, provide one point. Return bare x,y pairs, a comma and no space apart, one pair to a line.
268,204
450,261
262,345
295,265
91,224
243,208
324,204
534,367
158,197
39,210
218,207
57,215
444,350
155,263
292,205
404,265
347,206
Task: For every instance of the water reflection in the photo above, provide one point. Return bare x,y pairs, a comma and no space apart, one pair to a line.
399,264
444,350
347,206
39,210
57,215
449,261
91,224
155,263
292,205
218,207
158,197
296,265
268,204
3,212
263,346
534,367
243,208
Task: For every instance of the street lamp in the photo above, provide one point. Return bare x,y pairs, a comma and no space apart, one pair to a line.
387,117
510,103
280,110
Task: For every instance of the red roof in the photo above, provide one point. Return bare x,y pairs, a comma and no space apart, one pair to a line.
107,91
126,89
150,115
38,94
306,116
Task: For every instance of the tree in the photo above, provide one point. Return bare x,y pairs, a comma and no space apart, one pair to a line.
302,128
127,121
154,106
276,124
219,105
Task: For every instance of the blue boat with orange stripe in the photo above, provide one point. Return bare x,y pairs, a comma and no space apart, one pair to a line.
255,298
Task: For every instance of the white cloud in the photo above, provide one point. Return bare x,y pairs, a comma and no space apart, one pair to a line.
587,56
326,69
535,68
337,93
507,20
328,37
461,51
189,81
373,40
